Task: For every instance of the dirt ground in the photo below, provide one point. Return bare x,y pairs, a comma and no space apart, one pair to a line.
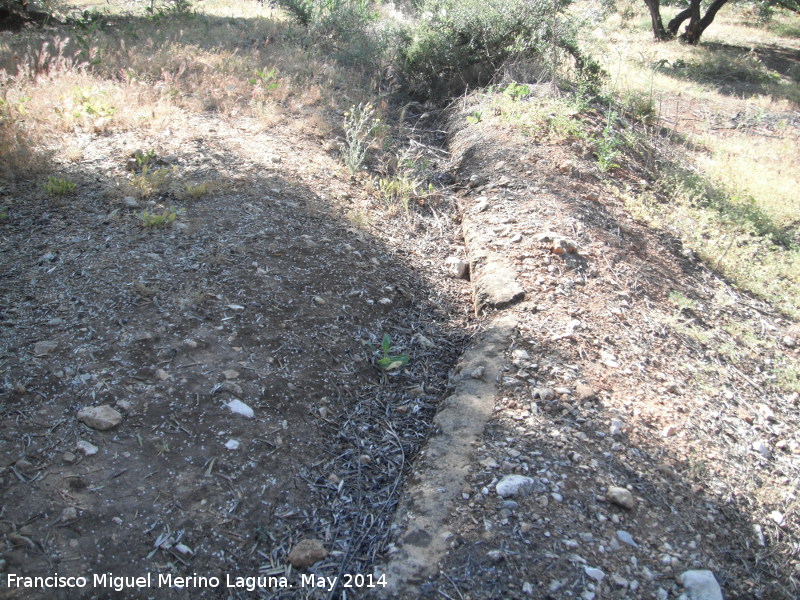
634,367
261,292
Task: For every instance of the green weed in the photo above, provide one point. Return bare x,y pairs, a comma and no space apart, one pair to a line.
360,123
59,187
388,361
164,218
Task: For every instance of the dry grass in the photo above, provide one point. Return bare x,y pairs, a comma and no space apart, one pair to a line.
112,70
733,100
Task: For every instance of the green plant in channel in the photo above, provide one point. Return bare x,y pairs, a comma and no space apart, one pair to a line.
388,361
59,187
164,218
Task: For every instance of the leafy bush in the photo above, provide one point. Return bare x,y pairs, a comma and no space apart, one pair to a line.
462,43
344,26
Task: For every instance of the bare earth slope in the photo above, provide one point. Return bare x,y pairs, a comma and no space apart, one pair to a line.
634,367
258,292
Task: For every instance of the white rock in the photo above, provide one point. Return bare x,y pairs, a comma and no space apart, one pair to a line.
762,449
512,485
701,585
101,418
44,348
87,448
616,427
232,444
621,497
594,573
240,408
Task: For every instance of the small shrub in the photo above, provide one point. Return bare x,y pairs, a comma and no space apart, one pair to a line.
163,218
59,187
151,181
359,124
457,44
197,190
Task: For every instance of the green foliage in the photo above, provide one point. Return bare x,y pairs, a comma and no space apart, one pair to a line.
607,145
163,218
462,43
343,26
266,78
151,181
59,187
197,190
3,215
144,159
388,361
475,118
173,8
517,91
359,126
92,103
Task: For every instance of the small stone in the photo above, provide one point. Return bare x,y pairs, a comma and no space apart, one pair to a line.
543,394
44,348
584,392
669,431
701,585
319,301
230,374
240,408
162,375
626,538
232,444
616,427
456,267
762,449
364,459
513,485
69,458
482,205
619,581
184,549
621,497
520,354
594,573
306,553
69,514
101,418
527,588
489,463
495,555
130,202
124,405
789,341
236,307
563,246
477,373
87,448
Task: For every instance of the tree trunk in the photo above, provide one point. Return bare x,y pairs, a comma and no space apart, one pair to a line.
696,27
659,32
675,24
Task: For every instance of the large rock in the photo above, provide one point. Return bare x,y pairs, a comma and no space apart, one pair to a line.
101,418
306,553
701,585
